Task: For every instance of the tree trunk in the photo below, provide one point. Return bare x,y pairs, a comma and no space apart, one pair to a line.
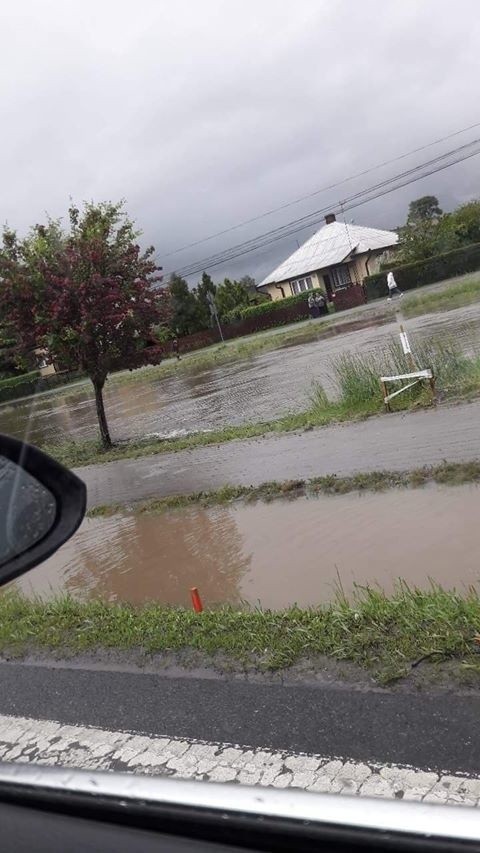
102,418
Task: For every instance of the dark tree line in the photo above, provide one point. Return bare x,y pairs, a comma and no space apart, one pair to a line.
429,231
190,310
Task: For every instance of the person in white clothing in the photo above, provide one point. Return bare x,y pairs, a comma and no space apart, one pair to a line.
393,288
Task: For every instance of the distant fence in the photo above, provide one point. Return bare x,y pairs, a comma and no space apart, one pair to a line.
349,297
53,380
292,312
280,316
26,384
239,328
18,386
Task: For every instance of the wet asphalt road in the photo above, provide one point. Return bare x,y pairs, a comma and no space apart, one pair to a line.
437,732
399,441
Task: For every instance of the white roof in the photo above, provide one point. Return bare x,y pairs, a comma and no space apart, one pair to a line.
331,245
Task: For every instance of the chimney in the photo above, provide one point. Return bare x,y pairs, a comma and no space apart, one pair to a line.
330,217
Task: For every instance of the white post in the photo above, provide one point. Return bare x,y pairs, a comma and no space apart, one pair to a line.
407,350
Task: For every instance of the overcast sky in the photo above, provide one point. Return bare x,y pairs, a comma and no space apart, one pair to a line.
204,113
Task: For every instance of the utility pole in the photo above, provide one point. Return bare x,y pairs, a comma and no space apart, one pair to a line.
213,311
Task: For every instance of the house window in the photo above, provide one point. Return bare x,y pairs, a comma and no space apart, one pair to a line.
300,285
340,277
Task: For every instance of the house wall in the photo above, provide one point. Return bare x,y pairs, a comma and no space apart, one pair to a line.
358,266
273,291
320,279
374,262
276,293
358,271
47,370
373,265
44,365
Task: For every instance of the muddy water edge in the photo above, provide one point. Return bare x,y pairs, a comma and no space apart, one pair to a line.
274,554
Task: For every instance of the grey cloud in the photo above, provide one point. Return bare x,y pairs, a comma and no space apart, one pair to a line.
204,114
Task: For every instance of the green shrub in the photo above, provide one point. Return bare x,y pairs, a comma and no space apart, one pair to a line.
243,312
18,386
163,334
419,273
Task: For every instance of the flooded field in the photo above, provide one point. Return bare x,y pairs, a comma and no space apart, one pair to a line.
273,554
260,388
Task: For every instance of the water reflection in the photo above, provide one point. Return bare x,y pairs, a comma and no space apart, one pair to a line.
276,554
138,559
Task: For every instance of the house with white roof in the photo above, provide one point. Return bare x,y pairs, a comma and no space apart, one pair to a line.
335,259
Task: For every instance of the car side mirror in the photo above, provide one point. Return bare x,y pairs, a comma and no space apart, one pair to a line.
41,506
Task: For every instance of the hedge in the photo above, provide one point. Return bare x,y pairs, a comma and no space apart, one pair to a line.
243,312
19,386
420,273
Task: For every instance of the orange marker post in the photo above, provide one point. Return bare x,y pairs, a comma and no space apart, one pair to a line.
196,600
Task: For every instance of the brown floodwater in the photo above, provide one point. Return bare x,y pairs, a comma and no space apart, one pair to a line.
256,389
275,554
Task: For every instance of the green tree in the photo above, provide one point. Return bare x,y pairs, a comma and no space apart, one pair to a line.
424,209
428,231
256,296
85,296
204,287
9,361
465,223
424,233
230,295
186,314
249,283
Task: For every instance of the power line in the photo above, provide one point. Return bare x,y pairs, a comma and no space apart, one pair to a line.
321,190
313,218
362,197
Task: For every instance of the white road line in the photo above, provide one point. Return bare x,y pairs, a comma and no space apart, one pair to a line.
49,743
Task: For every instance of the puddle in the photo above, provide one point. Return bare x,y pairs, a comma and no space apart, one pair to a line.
274,554
258,389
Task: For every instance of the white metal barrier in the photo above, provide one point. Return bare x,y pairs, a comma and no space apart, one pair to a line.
416,377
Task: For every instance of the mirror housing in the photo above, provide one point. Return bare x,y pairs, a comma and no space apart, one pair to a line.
67,496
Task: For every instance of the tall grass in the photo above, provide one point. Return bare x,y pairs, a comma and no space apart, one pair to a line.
357,376
381,633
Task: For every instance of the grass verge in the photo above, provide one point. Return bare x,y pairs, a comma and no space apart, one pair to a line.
90,452
457,295
449,473
387,636
357,380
